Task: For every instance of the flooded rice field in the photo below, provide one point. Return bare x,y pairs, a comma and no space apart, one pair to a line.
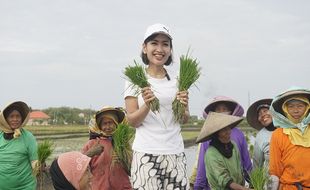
71,144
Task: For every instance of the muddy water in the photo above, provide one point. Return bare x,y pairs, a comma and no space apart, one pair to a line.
66,145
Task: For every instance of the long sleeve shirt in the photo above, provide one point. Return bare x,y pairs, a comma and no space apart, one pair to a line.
261,148
236,136
289,162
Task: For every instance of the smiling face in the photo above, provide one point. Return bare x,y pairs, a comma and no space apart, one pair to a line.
158,50
264,116
14,119
107,125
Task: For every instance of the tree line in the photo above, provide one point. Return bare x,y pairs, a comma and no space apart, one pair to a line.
68,115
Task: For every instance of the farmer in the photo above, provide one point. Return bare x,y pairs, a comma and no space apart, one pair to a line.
106,175
158,160
18,149
222,104
71,171
259,117
222,159
290,143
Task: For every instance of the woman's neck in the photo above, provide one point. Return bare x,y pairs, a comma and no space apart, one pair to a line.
156,72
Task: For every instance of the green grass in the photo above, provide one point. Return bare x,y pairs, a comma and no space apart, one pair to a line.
56,130
189,134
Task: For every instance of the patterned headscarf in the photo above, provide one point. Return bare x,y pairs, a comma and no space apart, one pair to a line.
115,114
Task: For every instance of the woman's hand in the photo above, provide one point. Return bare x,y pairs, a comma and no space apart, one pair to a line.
147,95
182,96
95,150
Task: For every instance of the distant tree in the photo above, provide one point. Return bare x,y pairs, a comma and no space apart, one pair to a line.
67,115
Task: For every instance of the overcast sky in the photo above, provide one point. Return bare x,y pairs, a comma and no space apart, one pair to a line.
73,52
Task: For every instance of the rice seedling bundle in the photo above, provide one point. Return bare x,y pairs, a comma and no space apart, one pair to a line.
45,150
136,75
259,178
189,74
122,140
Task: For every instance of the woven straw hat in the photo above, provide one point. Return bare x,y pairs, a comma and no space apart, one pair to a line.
277,104
252,113
119,112
215,122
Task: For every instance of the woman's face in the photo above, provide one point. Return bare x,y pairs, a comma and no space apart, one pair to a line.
158,50
296,109
224,135
85,181
222,108
14,119
264,116
107,125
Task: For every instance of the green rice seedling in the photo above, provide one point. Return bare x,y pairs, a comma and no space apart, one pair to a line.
122,140
259,178
189,74
136,75
45,149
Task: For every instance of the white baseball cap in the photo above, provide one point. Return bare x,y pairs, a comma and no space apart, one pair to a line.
157,29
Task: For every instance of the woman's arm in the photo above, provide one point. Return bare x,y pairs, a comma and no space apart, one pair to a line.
136,114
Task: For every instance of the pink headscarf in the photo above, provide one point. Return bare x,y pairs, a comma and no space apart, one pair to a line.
73,165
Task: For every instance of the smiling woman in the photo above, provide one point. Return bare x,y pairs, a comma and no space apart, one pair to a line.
158,141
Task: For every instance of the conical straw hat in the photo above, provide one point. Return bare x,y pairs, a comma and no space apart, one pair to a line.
215,122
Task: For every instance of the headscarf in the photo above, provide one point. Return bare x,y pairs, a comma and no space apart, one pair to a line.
60,182
95,130
23,109
298,98
225,149
298,133
115,114
72,165
279,120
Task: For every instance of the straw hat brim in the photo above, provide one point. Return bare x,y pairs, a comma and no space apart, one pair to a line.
116,111
277,104
215,122
211,106
22,107
252,114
